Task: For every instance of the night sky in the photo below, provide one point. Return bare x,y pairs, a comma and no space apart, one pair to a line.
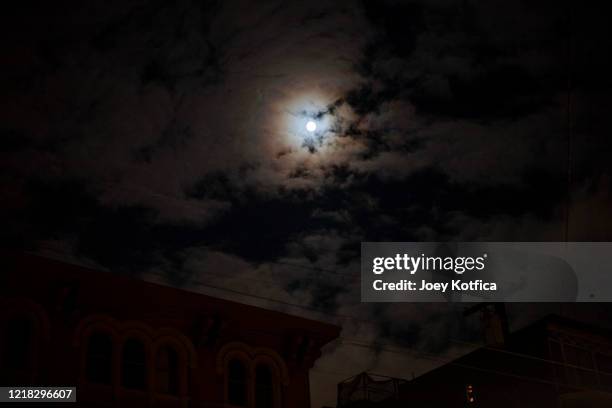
167,140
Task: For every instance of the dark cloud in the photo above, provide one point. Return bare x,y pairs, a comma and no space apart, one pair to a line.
457,60
166,139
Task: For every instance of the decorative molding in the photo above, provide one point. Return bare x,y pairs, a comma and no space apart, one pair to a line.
21,306
152,339
251,357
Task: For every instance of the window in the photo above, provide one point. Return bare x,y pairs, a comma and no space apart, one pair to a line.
167,371
264,387
18,344
99,358
254,377
133,365
237,383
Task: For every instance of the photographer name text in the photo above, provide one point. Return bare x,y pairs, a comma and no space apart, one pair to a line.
444,265
456,285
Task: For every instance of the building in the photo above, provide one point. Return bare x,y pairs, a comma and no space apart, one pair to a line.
125,342
367,389
555,362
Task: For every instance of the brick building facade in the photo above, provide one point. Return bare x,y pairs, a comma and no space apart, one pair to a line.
127,342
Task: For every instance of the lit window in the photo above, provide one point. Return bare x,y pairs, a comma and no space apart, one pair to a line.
99,357
237,383
133,365
167,371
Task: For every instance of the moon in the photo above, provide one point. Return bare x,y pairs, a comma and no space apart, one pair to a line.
311,126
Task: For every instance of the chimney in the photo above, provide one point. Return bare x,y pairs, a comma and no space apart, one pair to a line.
492,326
494,322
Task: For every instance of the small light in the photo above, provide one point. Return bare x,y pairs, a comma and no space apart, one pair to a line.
469,391
311,126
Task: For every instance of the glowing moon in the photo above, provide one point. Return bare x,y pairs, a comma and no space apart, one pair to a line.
311,126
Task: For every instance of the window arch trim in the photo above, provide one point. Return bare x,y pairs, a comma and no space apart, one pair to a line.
153,339
252,355
12,307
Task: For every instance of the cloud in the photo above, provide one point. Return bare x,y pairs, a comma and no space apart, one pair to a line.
167,140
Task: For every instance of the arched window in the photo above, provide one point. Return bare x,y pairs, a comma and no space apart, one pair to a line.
167,373
99,358
17,348
133,365
237,383
264,387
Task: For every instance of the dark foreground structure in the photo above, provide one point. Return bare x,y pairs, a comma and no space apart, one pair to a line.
126,342
556,363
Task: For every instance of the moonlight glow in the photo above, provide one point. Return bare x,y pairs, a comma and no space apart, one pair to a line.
311,126
305,121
